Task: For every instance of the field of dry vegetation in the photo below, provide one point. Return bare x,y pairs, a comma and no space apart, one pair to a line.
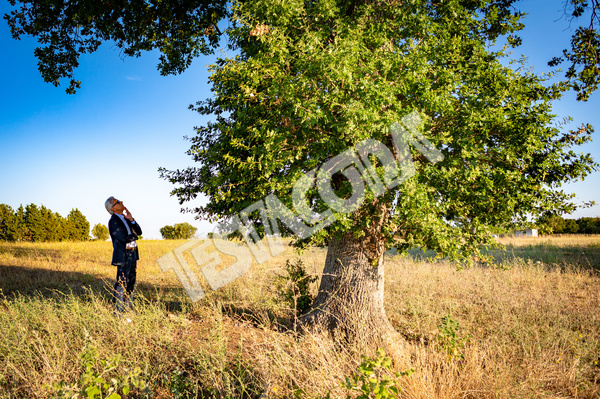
526,325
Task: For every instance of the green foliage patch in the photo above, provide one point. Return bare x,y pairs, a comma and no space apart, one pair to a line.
372,378
101,379
294,287
178,231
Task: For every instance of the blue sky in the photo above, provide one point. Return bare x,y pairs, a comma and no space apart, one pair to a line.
73,151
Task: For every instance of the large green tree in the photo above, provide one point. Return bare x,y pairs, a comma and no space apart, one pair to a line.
317,80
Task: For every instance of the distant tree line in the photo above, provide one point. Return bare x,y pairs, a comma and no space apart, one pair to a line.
179,231
34,223
555,224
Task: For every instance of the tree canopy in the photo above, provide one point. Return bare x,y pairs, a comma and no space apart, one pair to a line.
183,30
313,80
583,72
65,30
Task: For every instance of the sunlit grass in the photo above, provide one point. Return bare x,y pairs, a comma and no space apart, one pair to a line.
526,326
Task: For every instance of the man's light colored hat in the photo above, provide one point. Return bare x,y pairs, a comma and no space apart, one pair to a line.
108,204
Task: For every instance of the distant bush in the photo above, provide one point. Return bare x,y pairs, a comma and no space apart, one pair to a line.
554,224
100,232
179,231
589,225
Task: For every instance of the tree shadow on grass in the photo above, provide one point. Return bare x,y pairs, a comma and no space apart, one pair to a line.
60,254
565,257
259,318
20,281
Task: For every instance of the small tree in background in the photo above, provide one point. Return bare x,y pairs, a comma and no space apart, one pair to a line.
179,231
78,226
167,232
34,224
550,224
589,225
100,232
9,224
53,225
184,230
571,226
20,214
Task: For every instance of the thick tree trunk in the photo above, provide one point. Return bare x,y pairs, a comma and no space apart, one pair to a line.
350,303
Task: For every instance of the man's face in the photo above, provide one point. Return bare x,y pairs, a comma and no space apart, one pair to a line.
117,205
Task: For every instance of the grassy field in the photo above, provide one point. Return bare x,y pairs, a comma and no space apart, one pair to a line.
526,325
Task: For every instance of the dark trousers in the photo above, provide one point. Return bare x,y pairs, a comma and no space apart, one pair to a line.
126,276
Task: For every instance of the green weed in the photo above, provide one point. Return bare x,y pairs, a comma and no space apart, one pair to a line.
294,287
449,340
372,378
101,378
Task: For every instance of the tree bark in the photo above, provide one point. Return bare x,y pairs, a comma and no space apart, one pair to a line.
350,301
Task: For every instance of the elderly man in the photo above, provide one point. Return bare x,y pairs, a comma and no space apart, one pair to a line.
124,232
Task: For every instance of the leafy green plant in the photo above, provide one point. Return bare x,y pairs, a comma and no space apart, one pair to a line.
101,379
294,286
179,384
449,339
372,379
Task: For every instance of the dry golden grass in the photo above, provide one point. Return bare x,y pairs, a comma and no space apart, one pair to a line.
566,251
529,331
524,327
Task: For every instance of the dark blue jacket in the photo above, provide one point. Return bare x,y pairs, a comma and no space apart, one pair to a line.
118,235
